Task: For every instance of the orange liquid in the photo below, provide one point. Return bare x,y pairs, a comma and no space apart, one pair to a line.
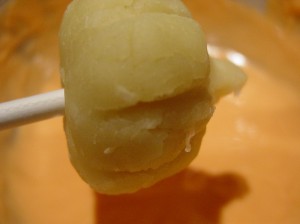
248,167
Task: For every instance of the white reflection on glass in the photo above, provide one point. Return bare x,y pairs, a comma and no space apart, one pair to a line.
236,58
233,56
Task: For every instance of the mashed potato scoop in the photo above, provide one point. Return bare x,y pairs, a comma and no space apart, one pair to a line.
139,90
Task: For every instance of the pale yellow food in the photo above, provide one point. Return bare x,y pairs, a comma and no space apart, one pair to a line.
138,90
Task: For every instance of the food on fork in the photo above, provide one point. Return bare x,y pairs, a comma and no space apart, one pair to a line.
139,87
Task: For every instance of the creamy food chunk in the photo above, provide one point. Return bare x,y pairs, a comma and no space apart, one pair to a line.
139,89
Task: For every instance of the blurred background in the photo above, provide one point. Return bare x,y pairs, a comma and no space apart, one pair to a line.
248,169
